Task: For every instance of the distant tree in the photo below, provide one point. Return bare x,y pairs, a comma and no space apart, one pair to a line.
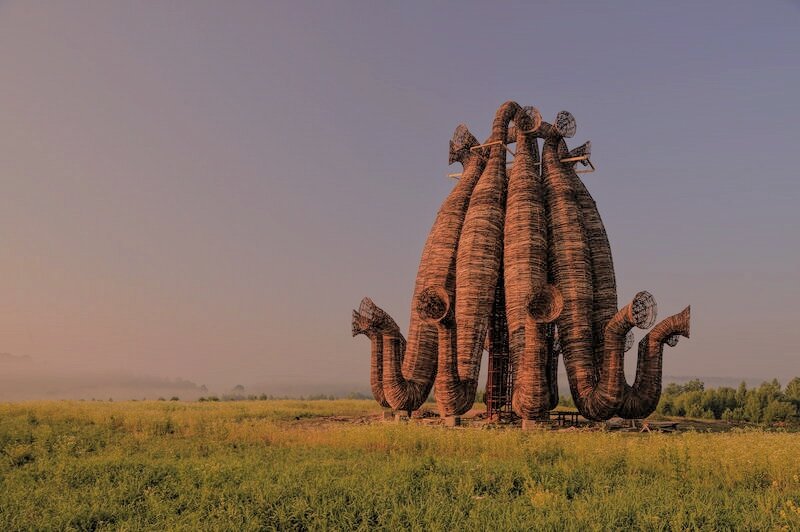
238,389
759,398
694,385
666,405
792,392
741,393
174,398
718,400
695,410
566,401
752,407
690,403
355,395
778,411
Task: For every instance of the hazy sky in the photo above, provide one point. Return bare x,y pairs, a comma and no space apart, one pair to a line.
206,189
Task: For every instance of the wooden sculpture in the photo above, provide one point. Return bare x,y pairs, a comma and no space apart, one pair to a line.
523,257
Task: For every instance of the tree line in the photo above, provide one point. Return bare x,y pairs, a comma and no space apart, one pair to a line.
767,403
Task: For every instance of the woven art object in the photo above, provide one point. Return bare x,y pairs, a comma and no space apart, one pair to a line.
518,260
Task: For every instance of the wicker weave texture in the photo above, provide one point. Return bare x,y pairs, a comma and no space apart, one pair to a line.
478,264
571,269
518,261
641,399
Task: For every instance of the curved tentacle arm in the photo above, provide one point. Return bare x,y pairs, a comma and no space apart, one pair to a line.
641,399
410,372
362,325
604,301
524,240
401,393
532,396
603,286
569,263
603,400
438,264
454,395
478,264
398,392
479,254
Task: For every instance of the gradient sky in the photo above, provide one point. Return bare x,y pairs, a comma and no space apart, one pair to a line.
206,189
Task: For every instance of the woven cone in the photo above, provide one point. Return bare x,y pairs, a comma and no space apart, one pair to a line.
604,300
525,274
570,267
408,388
478,262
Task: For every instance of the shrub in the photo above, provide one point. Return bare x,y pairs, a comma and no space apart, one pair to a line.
779,411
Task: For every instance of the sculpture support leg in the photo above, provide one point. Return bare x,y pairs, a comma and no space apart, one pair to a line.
532,387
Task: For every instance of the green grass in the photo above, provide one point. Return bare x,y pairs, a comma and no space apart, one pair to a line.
254,466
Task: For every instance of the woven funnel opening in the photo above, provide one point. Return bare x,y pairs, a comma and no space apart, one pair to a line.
672,340
461,142
545,304
644,310
629,341
367,310
565,124
433,304
686,315
534,115
357,326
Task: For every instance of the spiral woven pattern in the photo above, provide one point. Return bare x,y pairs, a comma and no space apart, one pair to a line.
518,262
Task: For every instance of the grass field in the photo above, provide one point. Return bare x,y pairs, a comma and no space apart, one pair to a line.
255,466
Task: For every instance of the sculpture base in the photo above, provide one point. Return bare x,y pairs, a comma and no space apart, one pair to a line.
452,421
533,424
387,414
